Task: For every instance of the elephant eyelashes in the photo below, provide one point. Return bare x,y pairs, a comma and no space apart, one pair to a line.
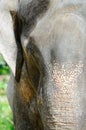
34,63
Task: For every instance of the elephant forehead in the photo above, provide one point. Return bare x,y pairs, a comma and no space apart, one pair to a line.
58,25
62,37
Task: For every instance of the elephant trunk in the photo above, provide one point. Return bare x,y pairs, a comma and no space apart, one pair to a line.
61,97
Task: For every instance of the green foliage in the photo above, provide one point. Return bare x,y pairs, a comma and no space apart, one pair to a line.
3,85
6,120
4,69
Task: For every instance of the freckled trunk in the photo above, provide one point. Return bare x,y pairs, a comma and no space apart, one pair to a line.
61,97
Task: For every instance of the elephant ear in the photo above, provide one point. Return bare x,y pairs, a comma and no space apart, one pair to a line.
8,46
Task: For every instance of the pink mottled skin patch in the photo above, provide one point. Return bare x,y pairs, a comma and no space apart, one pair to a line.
63,97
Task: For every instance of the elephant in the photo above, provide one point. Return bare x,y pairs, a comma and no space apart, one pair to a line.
44,45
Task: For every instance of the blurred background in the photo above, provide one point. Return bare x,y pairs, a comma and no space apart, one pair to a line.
6,119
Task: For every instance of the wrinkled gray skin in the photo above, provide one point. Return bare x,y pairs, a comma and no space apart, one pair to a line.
60,36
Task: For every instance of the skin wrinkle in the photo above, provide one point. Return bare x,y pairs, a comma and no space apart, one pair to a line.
65,98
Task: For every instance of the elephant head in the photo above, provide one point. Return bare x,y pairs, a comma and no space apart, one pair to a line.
50,91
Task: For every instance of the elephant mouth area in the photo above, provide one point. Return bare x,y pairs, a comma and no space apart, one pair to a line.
61,96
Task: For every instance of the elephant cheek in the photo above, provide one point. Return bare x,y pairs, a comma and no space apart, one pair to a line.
61,97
